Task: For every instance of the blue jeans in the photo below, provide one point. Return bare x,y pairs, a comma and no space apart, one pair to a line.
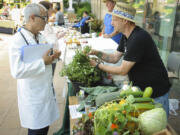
164,101
42,131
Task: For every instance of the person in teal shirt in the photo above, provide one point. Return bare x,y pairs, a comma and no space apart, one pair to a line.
108,30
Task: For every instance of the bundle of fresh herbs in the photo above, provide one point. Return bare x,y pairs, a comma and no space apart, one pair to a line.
80,70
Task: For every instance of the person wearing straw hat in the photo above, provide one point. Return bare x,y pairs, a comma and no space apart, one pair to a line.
141,59
108,30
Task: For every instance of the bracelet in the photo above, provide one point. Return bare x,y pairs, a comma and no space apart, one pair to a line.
97,65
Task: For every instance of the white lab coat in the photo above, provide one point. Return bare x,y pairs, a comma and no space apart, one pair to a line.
37,104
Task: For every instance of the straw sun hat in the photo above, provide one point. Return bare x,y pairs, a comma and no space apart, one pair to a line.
114,0
125,11
110,0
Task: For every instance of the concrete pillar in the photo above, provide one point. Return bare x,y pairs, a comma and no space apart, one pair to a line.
62,6
70,9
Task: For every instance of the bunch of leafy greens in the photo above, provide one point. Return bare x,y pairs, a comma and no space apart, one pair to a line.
80,70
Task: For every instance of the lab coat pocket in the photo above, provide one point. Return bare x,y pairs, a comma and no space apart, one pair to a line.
37,91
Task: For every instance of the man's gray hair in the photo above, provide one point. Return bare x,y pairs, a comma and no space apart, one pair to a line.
32,9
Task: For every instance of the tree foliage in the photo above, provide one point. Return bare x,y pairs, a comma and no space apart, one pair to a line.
66,3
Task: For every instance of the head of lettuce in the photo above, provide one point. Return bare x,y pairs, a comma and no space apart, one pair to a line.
152,121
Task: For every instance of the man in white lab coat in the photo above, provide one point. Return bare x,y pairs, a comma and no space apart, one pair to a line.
38,108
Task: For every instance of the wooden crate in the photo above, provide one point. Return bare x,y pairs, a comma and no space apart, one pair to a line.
168,131
163,132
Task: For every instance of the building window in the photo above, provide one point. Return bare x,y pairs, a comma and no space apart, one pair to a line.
158,18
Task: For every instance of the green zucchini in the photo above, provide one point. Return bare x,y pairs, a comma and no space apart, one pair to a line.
106,97
146,99
130,92
130,118
140,106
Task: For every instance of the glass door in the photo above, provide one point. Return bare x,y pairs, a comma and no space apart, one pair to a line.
158,19
176,36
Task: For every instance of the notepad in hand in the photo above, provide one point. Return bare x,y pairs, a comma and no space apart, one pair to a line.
30,53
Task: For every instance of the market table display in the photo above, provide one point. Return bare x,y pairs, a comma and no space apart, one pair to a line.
151,118
67,54
73,100
127,99
7,26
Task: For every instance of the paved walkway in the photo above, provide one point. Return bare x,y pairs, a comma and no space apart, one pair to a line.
9,117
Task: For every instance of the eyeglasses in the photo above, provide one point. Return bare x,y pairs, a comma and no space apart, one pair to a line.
45,18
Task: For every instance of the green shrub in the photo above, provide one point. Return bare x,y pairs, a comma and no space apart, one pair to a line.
66,3
75,6
81,11
81,7
96,25
87,5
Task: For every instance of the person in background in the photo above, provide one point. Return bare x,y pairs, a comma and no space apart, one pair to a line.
49,32
37,103
108,30
156,22
141,60
83,23
49,6
16,14
59,20
6,9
